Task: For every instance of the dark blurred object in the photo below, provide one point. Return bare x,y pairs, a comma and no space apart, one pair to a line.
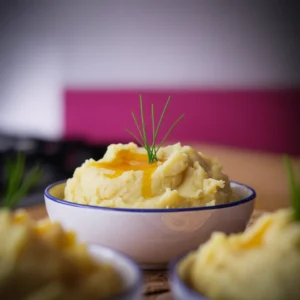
58,160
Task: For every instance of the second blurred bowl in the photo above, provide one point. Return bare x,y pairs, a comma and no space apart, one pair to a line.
127,269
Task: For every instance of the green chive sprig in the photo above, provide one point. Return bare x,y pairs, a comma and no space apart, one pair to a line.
151,148
17,182
294,186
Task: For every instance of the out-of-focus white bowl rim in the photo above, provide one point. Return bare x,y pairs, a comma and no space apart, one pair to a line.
128,291
176,280
251,197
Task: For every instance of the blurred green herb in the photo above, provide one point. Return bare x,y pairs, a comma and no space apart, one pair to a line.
17,182
151,148
294,186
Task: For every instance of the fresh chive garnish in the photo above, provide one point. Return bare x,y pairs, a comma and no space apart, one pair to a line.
161,117
294,187
138,127
151,148
130,132
143,120
169,131
153,127
17,182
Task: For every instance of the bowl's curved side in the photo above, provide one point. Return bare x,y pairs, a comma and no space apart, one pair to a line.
180,291
128,269
154,238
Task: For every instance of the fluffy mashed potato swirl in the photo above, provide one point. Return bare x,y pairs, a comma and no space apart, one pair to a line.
262,264
40,261
181,177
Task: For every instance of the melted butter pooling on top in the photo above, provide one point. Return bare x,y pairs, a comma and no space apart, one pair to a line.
127,160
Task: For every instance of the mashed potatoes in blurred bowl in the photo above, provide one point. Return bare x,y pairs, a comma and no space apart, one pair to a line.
262,264
42,261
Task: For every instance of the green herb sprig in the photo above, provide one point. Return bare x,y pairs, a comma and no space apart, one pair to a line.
151,148
17,184
294,186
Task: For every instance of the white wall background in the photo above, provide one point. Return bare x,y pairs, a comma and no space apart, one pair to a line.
48,45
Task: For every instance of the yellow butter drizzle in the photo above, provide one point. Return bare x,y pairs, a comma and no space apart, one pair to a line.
256,239
125,161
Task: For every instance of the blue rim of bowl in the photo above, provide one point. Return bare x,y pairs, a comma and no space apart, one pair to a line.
176,280
151,210
138,284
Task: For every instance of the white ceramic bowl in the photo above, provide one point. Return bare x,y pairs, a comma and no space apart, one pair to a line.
128,270
152,237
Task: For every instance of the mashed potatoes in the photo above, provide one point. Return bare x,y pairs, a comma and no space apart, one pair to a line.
182,177
42,262
262,264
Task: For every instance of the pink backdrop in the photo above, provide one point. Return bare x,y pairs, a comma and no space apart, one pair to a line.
266,120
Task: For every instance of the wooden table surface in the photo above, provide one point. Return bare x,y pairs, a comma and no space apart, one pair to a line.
262,171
